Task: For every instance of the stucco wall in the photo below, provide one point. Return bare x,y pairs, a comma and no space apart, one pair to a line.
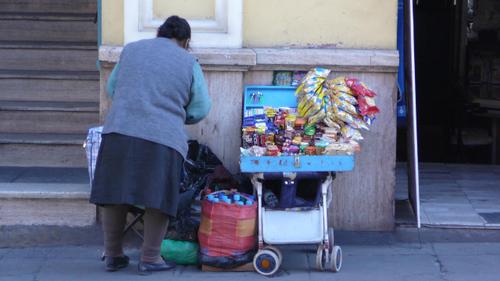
338,23
112,22
272,23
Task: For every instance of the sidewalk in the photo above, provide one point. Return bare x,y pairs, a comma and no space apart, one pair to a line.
406,254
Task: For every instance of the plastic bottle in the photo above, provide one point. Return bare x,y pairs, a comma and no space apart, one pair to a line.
236,197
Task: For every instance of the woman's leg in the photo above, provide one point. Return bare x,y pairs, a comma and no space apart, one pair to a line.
114,218
155,228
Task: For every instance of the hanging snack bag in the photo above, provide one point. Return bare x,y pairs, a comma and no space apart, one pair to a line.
367,106
359,88
349,133
347,98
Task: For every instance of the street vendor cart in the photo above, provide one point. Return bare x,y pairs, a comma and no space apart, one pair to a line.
302,223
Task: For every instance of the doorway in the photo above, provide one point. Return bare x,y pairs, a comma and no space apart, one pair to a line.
457,68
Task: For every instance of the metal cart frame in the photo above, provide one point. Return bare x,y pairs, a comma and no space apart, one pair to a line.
268,258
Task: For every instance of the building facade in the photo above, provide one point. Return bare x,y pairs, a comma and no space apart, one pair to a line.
240,42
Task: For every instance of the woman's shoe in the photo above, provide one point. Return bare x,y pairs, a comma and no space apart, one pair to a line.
116,263
145,268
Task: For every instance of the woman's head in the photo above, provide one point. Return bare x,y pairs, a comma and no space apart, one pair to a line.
176,28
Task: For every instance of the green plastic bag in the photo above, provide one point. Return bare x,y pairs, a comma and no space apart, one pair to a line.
180,252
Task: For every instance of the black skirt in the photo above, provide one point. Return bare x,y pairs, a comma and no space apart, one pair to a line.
134,171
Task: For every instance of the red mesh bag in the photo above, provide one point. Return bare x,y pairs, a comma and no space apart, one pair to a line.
227,229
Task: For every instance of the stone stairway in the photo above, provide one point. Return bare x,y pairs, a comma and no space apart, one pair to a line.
49,97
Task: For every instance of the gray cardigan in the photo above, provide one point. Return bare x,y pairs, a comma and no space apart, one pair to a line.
156,87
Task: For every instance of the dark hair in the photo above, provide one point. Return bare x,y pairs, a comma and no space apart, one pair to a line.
175,27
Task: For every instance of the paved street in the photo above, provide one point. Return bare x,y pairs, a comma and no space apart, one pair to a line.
406,254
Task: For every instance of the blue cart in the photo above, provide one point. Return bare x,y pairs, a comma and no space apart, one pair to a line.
278,226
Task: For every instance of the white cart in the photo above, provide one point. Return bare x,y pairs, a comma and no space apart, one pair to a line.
291,226
279,227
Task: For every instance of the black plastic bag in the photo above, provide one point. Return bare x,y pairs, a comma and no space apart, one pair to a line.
199,167
227,262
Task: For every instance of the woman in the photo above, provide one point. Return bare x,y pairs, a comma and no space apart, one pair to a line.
156,87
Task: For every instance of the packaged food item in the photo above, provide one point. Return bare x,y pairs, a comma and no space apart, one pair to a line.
359,88
318,117
350,133
327,120
337,81
272,150
367,106
355,121
342,147
343,105
311,91
310,150
294,149
347,98
282,78
299,123
270,138
290,121
341,89
310,130
298,76
297,140
303,146
313,79
369,119
320,150
359,123
279,140
247,136
257,151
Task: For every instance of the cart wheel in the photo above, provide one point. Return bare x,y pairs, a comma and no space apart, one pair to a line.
266,262
276,251
320,258
331,238
335,263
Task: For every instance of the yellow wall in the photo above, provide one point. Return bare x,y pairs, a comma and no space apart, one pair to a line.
272,23
112,22
191,9
341,23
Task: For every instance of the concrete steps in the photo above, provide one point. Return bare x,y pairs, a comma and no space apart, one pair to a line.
49,98
42,150
52,75
49,6
47,59
43,196
47,117
19,26
48,45
72,88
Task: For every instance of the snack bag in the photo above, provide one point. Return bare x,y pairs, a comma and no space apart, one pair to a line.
313,81
316,118
359,88
343,105
342,147
338,81
349,133
347,98
367,106
355,121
